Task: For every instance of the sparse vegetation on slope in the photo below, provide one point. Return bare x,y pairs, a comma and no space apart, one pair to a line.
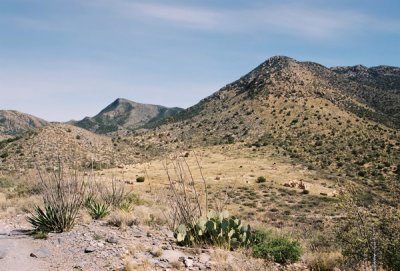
76,146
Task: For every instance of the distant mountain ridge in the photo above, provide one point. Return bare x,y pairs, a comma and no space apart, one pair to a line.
126,114
14,123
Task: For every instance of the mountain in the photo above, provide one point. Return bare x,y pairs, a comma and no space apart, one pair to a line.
378,87
325,118
125,114
14,123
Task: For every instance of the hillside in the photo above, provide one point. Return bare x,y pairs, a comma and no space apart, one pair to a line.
306,111
14,123
72,144
123,114
378,87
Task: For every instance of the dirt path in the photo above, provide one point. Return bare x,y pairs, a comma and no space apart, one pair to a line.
16,248
93,247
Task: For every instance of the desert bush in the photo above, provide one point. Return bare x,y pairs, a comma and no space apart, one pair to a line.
322,242
40,235
121,219
140,179
369,235
187,203
114,196
217,229
261,179
63,196
276,247
6,182
323,261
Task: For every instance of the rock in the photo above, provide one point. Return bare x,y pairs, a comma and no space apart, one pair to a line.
166,247
204,258
172,255
90,249
188,262
112,240
40,253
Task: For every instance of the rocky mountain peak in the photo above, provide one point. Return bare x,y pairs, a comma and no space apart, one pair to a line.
123,114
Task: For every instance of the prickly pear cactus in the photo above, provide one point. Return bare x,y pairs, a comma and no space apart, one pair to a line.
219,229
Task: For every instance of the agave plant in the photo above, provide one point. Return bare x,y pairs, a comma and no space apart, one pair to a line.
98,209
45,220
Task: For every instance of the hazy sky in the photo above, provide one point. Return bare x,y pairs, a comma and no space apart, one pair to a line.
65,59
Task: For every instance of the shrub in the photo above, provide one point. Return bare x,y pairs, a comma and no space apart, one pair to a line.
6,182
369,233
140,179
305,191
323,261
121,219
116,197
40,235
187,203
276,247
261,179
63,196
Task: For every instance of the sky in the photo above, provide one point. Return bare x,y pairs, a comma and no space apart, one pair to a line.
67,59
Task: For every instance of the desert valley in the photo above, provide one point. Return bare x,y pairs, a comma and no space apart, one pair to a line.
294,166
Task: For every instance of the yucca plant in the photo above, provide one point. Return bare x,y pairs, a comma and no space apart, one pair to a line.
63,196
45,220
97,209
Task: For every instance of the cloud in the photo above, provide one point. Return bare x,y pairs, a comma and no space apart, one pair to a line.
314,23
188,16
305,22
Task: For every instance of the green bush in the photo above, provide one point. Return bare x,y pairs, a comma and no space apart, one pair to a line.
6,182
218,229
140,179
276,247
369,233
261,179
